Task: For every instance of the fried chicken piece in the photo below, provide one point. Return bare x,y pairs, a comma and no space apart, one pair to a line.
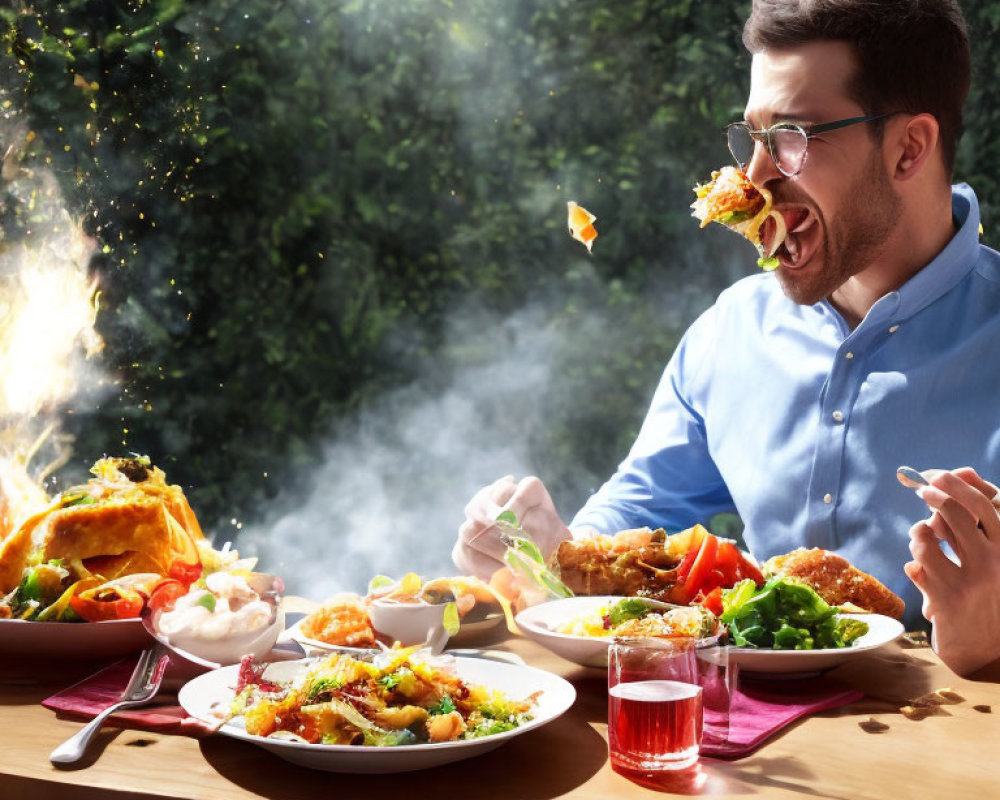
633,562
836,580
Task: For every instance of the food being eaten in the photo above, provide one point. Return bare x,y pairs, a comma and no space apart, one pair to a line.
398,698
730,199
836,581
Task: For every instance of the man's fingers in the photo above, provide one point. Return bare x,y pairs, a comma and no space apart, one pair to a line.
971,477
478,537
474,562
962,508
487,502
942,530
937,571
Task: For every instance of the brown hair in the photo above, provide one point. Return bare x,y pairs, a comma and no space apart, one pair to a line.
913,55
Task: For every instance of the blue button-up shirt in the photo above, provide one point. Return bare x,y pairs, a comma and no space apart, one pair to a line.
782,413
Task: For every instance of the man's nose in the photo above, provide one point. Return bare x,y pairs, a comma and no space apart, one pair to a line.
762,168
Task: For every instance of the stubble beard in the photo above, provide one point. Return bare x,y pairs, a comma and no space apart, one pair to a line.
853,239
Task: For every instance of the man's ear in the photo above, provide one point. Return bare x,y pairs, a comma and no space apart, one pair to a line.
915,143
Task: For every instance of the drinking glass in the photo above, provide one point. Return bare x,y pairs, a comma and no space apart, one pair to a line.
664,697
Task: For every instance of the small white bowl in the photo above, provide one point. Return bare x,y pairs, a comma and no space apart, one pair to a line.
410,623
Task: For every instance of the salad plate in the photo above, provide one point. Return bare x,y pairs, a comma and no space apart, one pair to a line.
541,623
208,695
881,631
72,640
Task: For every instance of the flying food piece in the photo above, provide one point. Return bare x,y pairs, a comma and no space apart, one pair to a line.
731,199
581,224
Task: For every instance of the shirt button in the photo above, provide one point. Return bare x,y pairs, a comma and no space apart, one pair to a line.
893,329
849,355
828,498
837,416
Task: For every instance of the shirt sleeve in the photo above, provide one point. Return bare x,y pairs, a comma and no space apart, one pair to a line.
668,479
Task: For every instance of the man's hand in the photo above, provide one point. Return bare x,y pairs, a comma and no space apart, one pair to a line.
961,600
479,550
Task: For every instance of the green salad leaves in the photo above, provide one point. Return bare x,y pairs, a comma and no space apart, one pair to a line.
785,615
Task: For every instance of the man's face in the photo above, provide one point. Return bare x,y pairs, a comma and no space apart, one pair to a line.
841,208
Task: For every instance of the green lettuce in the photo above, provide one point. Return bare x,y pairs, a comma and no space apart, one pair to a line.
785,615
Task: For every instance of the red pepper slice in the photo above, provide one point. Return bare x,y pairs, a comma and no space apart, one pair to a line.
727,561
114,602
166,594
703,563
747,569
184,572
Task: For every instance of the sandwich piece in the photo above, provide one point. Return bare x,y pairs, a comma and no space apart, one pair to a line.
126,520
836,581
730,199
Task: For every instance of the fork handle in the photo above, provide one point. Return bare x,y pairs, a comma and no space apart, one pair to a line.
72,750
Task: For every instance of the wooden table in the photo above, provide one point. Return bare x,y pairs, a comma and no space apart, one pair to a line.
827,755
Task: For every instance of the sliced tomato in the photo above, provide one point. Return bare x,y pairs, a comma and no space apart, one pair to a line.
104,603
166,594
703,563
186,573
713,601
727,560
745,568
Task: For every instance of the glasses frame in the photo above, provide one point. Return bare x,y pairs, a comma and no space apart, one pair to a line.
764,136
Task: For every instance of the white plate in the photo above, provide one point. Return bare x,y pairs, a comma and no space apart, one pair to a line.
201,696
881,631
73,640
316,647
539,623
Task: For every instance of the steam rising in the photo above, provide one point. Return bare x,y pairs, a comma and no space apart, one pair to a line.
388,498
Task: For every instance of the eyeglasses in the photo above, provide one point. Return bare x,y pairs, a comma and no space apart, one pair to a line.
786,142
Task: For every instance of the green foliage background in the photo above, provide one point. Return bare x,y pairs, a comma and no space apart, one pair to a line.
293,198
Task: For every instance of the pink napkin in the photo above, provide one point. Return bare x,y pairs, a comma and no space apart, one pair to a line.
762,708
92,695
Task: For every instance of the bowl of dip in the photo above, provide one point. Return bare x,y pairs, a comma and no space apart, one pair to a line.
410,623
231,616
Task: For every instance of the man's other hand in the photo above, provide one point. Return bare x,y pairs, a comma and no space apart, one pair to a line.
479,550
961,600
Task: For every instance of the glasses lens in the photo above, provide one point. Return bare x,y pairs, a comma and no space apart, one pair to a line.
740,142
788,148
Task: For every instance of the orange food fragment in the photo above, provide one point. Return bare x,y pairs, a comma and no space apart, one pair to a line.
581,224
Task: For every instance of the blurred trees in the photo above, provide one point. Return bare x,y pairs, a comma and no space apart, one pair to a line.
292,198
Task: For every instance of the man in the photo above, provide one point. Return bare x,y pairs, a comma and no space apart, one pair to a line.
794,398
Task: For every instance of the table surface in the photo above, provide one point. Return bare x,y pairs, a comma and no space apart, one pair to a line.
827,755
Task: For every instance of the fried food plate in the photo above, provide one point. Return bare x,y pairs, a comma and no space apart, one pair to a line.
72,640
204,696
540,623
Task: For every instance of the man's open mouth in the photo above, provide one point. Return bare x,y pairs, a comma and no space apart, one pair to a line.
801,236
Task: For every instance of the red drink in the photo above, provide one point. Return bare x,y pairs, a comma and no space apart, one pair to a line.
654,725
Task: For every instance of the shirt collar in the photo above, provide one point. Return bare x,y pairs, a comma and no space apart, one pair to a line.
938,277
951,264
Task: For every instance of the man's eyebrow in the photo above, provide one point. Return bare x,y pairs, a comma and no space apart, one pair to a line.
797,118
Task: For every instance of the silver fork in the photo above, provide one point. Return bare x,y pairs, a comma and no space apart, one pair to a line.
142,688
